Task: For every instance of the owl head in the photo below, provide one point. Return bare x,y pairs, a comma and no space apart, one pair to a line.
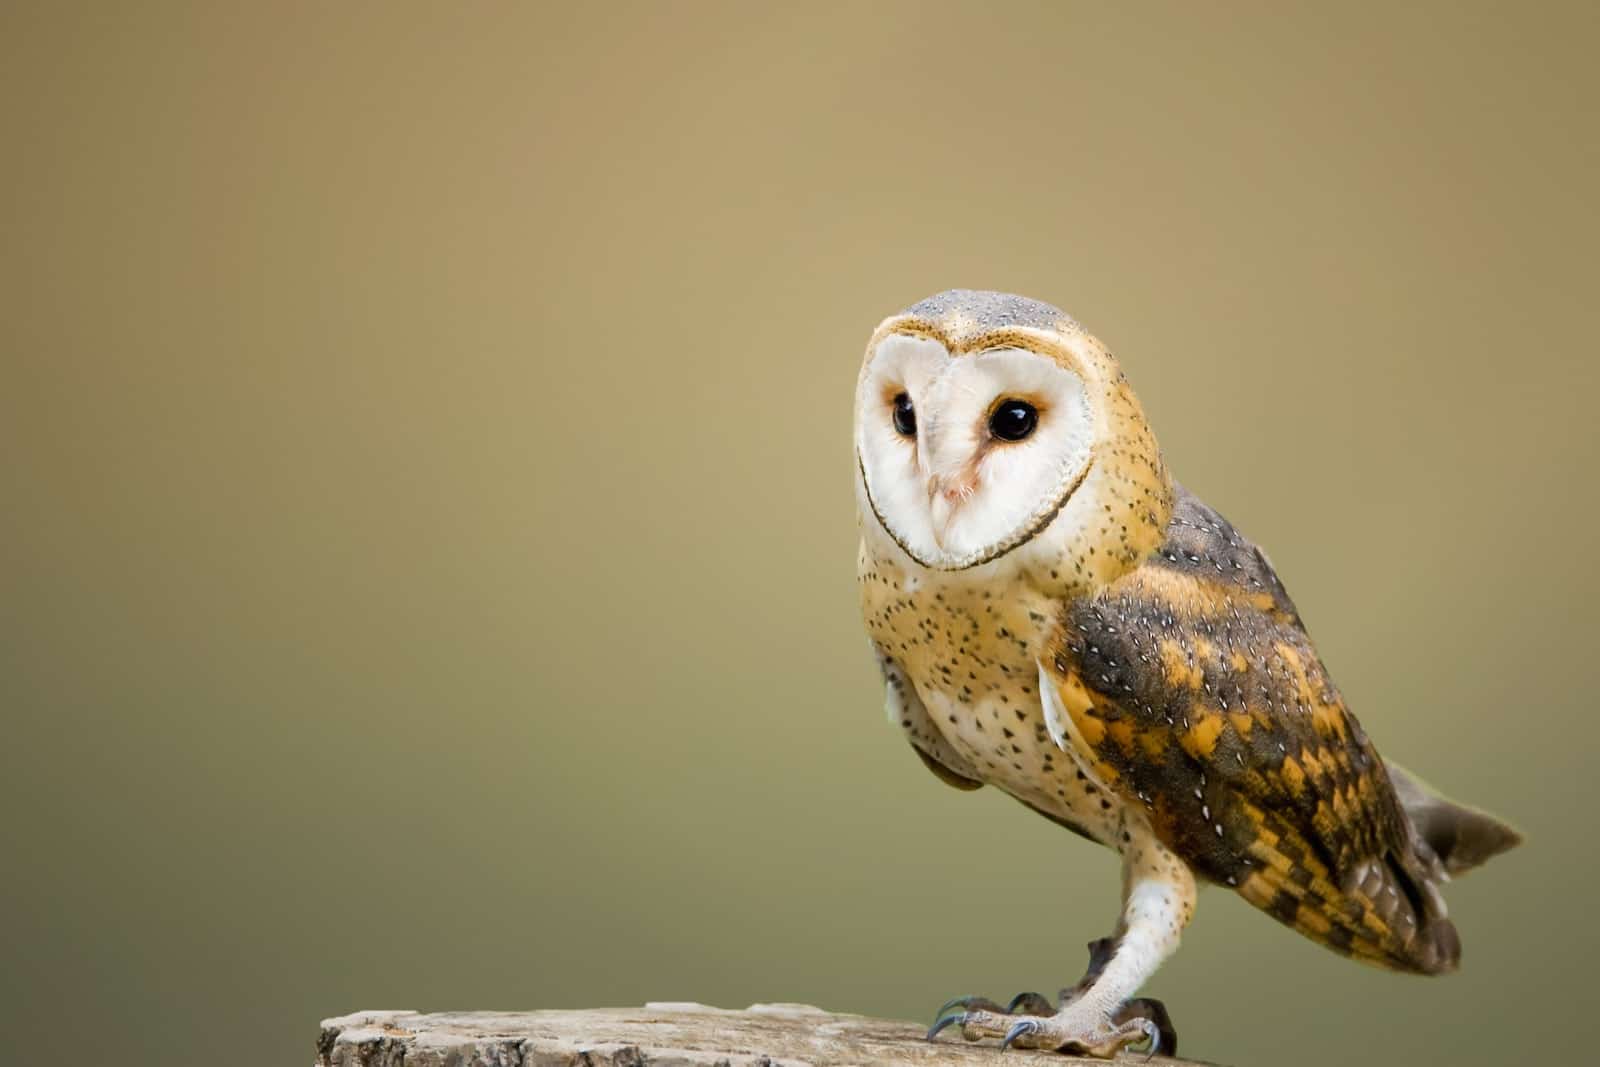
993,431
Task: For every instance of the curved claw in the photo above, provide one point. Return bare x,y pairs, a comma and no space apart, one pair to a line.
1152,1013
943,1022
968,1004
1153,1033
1029,1004
1021,1028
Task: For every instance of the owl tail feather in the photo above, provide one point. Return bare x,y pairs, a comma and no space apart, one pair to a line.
1462,837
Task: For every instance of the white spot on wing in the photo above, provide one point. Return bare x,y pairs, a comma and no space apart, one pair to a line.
1055,715
1063,731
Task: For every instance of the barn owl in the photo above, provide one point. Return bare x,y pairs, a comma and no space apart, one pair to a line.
1056,617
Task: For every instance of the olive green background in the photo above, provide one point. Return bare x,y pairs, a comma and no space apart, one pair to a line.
427,528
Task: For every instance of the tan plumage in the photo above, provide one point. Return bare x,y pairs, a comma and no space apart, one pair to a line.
1056,617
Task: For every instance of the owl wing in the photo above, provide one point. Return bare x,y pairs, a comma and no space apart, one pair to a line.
1191,688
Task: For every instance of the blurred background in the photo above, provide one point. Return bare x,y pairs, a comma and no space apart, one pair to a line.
427,528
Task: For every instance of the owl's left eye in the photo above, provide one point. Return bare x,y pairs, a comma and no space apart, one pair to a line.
1013,420
905,416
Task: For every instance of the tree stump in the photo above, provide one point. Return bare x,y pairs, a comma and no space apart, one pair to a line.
658,1035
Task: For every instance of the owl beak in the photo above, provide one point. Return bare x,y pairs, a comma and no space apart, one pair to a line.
945,497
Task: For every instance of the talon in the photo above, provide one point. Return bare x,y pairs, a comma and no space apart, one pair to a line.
968,1004
1153,1033
1029,1004
942,1022
1024,1027
1151,1011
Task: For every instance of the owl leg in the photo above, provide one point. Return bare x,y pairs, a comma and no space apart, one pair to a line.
1157,901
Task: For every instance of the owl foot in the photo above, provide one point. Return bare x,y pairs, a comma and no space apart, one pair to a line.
1029,1020
1035,1003
1081,1030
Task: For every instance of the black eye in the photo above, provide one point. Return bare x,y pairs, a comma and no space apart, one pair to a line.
1013,420
905,418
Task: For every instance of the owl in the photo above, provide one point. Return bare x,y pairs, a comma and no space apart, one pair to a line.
1059,619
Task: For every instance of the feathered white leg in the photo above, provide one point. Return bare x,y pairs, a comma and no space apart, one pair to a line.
1158,895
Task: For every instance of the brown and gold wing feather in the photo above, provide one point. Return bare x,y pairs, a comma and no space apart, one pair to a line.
1199,693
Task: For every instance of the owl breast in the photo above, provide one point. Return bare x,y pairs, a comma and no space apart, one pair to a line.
971,651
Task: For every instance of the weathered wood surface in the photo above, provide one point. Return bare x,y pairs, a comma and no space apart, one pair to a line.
658,1035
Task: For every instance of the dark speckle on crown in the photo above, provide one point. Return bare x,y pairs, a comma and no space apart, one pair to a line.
980,311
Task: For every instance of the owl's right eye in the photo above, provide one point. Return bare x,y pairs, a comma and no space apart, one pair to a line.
905,417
